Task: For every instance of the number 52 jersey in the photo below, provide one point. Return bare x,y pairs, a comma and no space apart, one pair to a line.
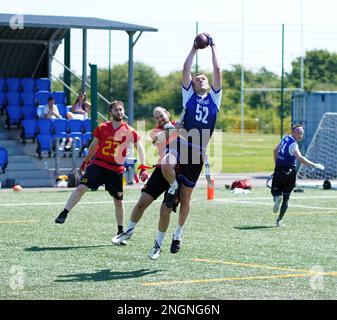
201,111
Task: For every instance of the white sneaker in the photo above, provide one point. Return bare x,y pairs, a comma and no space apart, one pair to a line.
121,238
155,251
279,223
277,203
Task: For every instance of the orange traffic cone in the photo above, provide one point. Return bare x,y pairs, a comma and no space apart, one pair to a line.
210,191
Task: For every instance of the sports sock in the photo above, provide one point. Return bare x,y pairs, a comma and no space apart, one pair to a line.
160,238
283,210
174,185
65,211
178,233
131,225
120,229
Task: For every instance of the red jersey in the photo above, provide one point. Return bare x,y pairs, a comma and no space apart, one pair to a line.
113,144
162,146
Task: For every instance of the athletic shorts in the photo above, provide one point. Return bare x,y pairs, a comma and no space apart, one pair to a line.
156,185
284,181
190,163
95,176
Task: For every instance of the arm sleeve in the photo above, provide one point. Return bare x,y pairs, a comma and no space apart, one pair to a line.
293,148
216,96
97,132
187,93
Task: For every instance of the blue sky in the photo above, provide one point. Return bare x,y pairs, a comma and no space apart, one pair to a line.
176,21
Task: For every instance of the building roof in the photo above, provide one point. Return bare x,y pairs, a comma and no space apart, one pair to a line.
24,40
66,22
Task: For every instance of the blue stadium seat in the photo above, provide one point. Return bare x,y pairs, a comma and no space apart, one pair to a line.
3,159
28,98
13,84
87,125
41,97
29,112
62,110
59,97
60,128
3,84
44,144
45,126
86,139
29,129
43,84
3,101
14,114
28,84
75,126
13,97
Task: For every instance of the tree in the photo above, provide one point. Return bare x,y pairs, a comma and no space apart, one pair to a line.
320,71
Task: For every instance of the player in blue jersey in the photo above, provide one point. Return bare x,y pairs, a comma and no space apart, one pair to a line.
286,153
201,104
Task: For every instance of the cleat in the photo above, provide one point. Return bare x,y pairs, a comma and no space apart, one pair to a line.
124,242
61,218
279,223
277,203
154,253
121,238
171,197
175,246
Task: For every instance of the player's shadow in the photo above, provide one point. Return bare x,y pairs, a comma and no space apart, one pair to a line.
105,275
253,227
38,249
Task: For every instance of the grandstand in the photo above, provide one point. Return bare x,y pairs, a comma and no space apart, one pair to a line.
26,54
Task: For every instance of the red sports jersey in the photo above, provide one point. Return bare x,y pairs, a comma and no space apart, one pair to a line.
162,146
113,144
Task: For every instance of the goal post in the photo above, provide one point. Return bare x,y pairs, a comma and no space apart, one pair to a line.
322,149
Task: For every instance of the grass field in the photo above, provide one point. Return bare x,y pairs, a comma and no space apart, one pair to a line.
234,153
231,249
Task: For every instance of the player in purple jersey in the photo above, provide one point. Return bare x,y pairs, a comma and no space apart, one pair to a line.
286,153
201,104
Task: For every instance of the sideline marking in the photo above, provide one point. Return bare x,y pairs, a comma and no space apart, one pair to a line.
293,275
304,273
243,201
19,221
251,265
59,203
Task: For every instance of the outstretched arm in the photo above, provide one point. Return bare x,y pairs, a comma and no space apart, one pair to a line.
217,79
187,67
306,161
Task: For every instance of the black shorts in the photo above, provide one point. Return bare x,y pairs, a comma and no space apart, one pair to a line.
190,162
284,181
156,185
95,176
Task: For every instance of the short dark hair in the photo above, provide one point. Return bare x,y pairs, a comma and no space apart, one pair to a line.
115,104
51,98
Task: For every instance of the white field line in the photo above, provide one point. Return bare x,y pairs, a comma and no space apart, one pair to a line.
243,201
251,201
60,203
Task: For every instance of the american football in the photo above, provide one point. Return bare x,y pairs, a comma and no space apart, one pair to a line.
201,41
